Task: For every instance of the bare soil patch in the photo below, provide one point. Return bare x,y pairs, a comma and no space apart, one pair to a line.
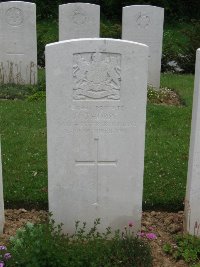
163,224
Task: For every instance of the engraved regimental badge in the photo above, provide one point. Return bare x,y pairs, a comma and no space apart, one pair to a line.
96,76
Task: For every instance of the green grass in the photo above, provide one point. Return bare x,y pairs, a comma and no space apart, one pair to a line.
23,136
23,129
167,143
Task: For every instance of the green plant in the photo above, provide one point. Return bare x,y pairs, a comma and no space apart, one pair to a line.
110,30
40,95
186,59
38,245
44,245
13,91
47,32
186,247
171,50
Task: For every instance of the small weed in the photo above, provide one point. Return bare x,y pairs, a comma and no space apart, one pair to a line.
40,95
186,247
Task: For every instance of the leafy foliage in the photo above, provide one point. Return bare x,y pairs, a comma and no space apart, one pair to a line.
110,30
40,95
187,58
47,32
186,247
44,245
171,50
13,91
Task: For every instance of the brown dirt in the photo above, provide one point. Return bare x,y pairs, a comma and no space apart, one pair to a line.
164,225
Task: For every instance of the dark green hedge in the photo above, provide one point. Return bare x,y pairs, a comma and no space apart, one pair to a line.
111,9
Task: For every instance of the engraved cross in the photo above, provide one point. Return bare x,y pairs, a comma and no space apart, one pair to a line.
96,162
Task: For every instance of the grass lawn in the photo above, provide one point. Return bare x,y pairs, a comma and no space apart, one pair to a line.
167,144
23,130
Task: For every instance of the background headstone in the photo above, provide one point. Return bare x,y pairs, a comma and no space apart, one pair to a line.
96,113
79,20
144,24
192,207
2,218
18,45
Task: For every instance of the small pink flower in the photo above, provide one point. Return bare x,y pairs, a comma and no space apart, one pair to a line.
151,228
151,236
3,248
7,256
141,234
130,224
1,264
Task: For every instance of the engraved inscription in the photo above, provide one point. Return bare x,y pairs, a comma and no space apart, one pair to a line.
96,76
96,162
143,21
14,16
79,16
98,127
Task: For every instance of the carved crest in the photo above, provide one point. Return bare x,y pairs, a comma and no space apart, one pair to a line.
96,76
14,16
79,16
143,21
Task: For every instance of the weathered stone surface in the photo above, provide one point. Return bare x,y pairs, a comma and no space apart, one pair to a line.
79,20
18,45
192,207
144,24
96,113
2,218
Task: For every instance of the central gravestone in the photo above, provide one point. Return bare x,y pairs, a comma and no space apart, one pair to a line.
18,45
96,112
2,218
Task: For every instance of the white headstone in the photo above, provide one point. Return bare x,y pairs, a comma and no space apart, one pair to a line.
192,207
79,20
96,113
18,45
144,24
2,218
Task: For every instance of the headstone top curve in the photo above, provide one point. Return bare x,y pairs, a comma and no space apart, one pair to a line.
79,3
96,39
17,2
144,6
